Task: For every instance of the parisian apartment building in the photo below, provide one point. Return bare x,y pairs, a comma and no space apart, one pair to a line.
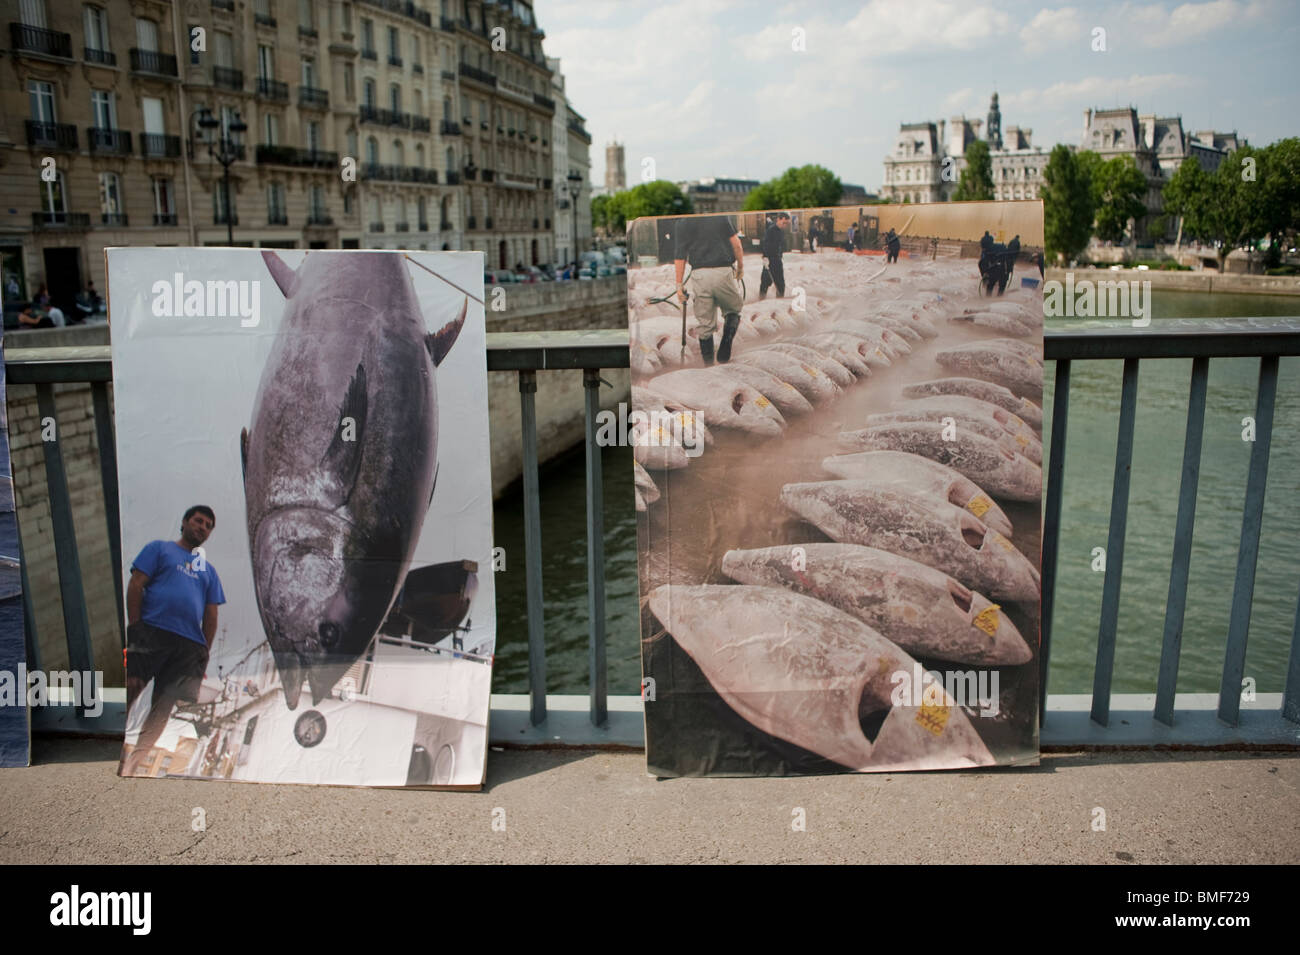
290,124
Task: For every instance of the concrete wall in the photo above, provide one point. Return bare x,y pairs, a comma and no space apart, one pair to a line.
550,306
1196,281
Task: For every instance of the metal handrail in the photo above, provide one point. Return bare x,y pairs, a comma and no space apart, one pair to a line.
529,352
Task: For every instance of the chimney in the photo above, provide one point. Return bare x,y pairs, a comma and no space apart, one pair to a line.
1087,124
943,141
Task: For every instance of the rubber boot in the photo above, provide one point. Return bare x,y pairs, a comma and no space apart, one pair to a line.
729,326
706,349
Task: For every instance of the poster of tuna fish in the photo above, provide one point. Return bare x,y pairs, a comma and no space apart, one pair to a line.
306,514
836,424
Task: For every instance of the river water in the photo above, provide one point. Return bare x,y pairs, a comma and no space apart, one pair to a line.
1090,455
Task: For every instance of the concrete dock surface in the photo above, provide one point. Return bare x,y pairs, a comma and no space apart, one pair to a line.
588,806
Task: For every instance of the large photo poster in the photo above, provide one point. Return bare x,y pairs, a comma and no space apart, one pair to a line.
306,514
837,432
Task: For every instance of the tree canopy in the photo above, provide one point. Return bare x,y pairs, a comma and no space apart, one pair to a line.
1119,192
1230,207
1068,203
801,187
658,198
977,178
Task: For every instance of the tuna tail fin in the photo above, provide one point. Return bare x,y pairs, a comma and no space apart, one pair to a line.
440,342
243,454
343,456
285,277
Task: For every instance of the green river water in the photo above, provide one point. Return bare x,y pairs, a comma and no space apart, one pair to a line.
1089,469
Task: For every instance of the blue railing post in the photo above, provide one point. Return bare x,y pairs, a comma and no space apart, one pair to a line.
533,550
1175,605
595,555
1101,678
1243,590
81,655
1052,524
108,479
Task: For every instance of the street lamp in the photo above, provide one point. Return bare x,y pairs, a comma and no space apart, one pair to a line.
225,150
575,189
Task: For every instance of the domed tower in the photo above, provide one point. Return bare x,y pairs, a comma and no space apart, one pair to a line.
995,125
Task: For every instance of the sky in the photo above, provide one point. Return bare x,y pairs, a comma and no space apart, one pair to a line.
700,88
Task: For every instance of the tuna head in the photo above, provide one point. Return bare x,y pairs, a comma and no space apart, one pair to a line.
320,603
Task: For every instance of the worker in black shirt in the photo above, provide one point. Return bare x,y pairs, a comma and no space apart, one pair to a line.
711,244
773,248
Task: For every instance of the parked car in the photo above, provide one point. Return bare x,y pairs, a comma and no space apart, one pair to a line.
504,276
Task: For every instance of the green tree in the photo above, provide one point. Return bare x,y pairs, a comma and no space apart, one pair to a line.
802,187
1119,192
1228,208
1068,203
658,198
599,212
1280,184
977,178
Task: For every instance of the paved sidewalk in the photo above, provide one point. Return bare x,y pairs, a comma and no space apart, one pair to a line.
586,806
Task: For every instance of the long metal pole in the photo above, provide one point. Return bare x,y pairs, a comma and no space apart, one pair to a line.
230,228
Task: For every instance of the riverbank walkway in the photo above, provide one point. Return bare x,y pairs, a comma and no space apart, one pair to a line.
585,806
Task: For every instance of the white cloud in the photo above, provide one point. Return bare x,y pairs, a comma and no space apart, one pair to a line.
1157,26
1050,29
1095,91
888,26
957,101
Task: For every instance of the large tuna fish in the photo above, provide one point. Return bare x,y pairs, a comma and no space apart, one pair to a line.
921,609
802,671
784,395
339,463
1022,375
994,468
924,529
853,353
922,476
987,419
829,367
998,321
1029,412
724,402
812,384
644,486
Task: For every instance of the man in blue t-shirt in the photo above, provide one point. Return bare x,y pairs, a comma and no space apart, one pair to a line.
171,609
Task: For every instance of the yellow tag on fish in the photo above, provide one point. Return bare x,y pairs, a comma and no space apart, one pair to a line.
812,371
1006,544
933,718
761,401
987,619
979,505
1022,440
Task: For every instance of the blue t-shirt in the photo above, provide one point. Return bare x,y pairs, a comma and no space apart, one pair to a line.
177,594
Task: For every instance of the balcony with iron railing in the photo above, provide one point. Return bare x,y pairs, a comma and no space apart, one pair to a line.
479,76
112,218
313,98
159,146
368,53
394,60
277,217
51,135
383,117
449,127
420,124
265,20
295,156
471,223
219,217
108,142
453,177
307,32
228,78
102,57
227,5
153,63
422,225
60,220
403,8
402,227
38,40
274,90
319,217
164,218
489,175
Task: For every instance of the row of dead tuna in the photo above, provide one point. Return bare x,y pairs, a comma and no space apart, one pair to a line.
808,643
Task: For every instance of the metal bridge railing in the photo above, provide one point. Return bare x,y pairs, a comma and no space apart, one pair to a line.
527,353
